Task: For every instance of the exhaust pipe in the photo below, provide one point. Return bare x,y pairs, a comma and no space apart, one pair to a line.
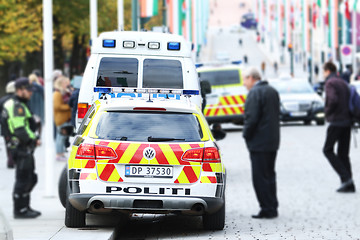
198,208
98,206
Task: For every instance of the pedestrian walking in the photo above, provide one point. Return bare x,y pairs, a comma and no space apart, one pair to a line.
263,67
62,113
337,113
262,135
275,67
22,128
240,42
10,90
36,103
245,59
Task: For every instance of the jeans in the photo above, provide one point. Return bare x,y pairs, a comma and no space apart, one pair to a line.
340,161
60,140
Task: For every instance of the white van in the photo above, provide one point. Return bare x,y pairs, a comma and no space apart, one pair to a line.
137,60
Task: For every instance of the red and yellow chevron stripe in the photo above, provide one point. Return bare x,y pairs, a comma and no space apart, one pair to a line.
108,173
88,176
132,153
227,105
208,179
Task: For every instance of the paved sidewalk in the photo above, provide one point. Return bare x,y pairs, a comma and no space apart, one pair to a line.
50,225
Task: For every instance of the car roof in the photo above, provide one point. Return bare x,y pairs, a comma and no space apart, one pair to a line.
141,40
155,105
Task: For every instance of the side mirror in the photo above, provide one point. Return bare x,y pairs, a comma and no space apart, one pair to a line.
205,87
217,132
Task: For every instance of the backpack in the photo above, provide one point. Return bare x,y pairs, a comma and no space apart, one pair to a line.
354,103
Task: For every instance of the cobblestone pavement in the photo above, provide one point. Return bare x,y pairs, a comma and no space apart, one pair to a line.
309,206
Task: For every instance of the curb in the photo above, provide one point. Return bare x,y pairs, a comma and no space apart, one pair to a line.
5,230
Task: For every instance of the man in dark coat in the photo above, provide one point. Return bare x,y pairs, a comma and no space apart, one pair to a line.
337,113
262,135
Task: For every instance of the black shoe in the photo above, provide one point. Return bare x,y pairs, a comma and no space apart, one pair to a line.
26,213
267,215
34,211
347,187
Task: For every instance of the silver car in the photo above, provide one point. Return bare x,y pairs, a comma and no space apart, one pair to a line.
299,101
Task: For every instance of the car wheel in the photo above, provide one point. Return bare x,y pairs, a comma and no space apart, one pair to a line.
215,221
63,185
307,122
73,217
320,122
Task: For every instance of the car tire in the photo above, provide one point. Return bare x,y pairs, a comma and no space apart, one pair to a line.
320,122
63,185
215,221
73,217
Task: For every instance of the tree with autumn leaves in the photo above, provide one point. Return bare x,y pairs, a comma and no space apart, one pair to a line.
21,36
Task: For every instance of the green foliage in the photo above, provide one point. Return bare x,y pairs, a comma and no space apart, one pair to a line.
21,25
20,28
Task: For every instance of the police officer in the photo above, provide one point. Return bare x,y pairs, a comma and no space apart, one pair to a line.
21,127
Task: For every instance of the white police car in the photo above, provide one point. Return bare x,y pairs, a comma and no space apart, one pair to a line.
137,60
145,155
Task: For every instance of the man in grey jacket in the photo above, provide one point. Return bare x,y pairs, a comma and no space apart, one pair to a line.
262,135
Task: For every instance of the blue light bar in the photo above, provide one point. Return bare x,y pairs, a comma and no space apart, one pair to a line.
102,90
109,43
173,46
197,65
191,92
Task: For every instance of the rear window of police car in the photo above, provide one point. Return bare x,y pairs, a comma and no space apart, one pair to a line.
221,77
123,72
145,126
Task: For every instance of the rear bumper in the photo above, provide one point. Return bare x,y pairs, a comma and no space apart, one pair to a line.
145,204
316,114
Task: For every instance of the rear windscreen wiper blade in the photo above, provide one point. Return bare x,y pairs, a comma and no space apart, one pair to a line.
123,72
160,139
121,138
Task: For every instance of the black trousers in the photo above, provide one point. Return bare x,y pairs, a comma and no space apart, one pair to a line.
25,178
340,161
264,179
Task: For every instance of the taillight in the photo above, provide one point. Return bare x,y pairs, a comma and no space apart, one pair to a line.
91,151
193,155
210,154
86,151
103,152
82,109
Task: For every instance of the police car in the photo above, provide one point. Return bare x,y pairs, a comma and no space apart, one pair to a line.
226,101
145,155
137,60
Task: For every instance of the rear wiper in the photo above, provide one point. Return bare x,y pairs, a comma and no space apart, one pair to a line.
159,139
121,139
124,72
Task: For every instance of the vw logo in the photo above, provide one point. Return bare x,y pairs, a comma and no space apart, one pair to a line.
149,153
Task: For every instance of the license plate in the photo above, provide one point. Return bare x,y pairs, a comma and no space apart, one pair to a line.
148,171
299,114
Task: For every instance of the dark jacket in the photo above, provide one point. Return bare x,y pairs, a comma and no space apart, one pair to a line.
337,101
262,123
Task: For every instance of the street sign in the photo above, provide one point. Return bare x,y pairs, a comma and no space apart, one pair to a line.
346,50
346,54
